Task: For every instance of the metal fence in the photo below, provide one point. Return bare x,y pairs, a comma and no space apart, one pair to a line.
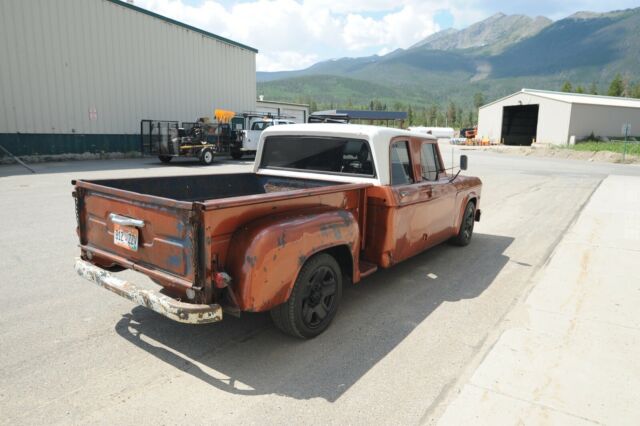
157,133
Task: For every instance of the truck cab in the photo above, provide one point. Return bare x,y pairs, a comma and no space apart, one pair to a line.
248,139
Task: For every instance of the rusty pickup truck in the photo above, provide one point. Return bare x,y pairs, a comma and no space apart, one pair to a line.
326,205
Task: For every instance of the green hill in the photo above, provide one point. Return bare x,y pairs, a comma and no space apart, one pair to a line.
585,48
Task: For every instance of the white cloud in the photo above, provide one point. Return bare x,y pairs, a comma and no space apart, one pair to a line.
397,29
292,34
284,60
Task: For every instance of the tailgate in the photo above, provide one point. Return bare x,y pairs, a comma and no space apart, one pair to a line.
167,234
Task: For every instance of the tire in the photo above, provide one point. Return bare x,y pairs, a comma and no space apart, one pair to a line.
236,155
206,156
466,226
314,300
166,159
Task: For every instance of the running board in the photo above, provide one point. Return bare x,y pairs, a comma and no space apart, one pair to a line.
367,268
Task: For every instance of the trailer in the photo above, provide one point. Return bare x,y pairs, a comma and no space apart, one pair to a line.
201,139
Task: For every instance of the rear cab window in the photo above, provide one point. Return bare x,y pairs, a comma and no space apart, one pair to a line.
332,155
401,164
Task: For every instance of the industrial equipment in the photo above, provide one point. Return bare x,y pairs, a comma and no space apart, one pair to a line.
202,139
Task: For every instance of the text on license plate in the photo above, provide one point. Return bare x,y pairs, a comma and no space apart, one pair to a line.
125,236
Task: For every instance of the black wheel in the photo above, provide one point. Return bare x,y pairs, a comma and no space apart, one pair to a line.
165,158
466,226
314,300
236,154
206,156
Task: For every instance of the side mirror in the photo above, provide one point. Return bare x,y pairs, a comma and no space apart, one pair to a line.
463,162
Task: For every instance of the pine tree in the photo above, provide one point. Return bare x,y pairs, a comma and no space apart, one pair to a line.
616,88
432,115
579,89
451,114
478,100
566,87
593,89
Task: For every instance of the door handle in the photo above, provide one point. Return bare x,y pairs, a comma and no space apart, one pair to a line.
126,221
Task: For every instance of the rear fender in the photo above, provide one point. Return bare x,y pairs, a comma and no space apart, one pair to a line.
266,255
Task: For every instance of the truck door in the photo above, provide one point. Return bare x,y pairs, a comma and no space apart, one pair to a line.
437,196
423,212
253,135
409,227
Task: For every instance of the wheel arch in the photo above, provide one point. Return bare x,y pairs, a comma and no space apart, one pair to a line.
471,197
266,256
343,255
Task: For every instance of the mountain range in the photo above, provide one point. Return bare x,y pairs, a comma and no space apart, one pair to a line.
495,57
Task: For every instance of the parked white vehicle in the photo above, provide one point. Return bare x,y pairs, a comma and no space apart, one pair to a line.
438,132
248,139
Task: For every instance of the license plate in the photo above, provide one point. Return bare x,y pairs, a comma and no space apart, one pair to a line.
125,236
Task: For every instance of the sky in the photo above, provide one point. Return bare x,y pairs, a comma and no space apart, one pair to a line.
294,34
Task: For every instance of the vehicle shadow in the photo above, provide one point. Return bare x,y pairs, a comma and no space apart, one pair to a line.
248,356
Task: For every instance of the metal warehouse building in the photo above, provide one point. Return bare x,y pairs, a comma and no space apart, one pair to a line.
555,117
297,112
79,75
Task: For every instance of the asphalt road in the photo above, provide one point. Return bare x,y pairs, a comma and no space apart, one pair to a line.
75,353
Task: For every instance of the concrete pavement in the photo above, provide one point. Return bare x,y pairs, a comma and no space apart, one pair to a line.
569,353
401,343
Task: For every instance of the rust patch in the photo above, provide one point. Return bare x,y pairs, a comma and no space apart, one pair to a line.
346,217
335,227
282,240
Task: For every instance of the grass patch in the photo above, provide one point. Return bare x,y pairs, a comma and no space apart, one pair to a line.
633,147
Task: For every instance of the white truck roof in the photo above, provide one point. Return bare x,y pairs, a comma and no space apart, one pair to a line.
438,132
378,137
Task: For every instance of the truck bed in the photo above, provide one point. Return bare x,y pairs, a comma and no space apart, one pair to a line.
184,224
210,187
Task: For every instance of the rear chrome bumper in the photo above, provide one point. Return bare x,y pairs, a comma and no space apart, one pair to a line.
187,313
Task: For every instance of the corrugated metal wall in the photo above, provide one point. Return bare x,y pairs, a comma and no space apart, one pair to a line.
96,67
298,112
602,121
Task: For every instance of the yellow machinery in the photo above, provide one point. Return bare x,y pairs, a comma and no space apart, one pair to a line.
223,116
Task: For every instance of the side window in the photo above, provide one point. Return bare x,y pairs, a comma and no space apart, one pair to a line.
429,160
260,125
400,164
